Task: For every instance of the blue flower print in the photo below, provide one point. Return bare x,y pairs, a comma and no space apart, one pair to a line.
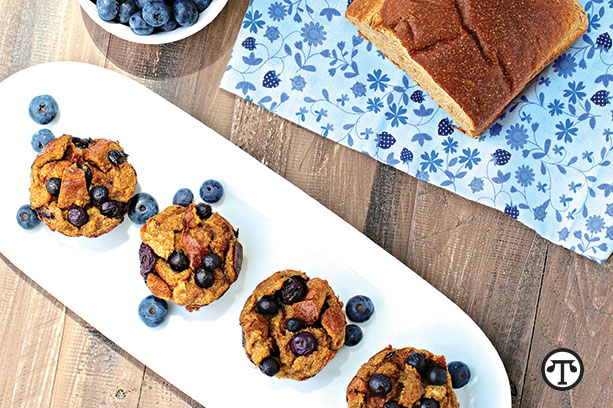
298,83
575,92
517,136
566,131
396,114
358,89
610,232
378,80
565,65
450,146
476,185
544,81
563,234
595,224
470,158
313,34
422,175
556,107
524,175
495,129
277,11
542,187
540,212
272,33
431,161
374,104
302,113
327,129
320,114
609,211
252,21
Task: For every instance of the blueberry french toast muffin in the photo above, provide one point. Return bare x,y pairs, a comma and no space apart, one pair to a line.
81,187
407,377
189,255
292,325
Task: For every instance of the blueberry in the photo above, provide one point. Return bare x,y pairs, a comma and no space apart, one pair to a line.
87,173
211,262
359,308
294,325
156,13
170,25
294,290
183,197
53,186
141,3
81,143
107,9
211,191
178,261
113,209
153,311
353,335
41,138
142,207
116,157
202,5
43,109
138,25
459,372
436,375
27,217
392,404
204,211
126,9
267,306
99,194
77,216
203,277
186,12
269,366
428,403
303,344
380,384
418,361
147,259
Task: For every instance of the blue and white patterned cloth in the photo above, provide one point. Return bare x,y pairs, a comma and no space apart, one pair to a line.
545,162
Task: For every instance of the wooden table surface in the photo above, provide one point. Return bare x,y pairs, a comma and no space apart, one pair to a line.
528,295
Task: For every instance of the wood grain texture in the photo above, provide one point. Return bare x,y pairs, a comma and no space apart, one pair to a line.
528,295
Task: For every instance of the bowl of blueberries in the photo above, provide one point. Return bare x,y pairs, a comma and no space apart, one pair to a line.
152,21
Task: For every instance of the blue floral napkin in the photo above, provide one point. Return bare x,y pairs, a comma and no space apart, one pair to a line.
546,162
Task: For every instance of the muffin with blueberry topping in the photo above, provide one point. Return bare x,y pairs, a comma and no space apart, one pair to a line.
406,377
81,187
189,255
292,325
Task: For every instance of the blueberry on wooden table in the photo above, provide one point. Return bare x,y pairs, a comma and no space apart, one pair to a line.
353,335
43,109
359,308
142,207
41,138
153,311
183,197
211,191
27,217
460,374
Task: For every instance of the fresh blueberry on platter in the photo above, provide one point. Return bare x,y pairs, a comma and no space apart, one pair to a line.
142,207
269,366
303,344
43,109
267,306
53,186
353,335
41,138
139,26
186,12
126,9
153,311
183,197
178,261
460,374
98,194
27,217
77,216
211,191
107,9
428,403
203,277
156,13
417,360
359,308
294,325
202,5
380,384
436,375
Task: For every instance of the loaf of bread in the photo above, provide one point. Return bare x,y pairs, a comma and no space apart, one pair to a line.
472,56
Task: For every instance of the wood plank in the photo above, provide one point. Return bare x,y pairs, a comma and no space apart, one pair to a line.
488,263
31,324
576,312
94,372
157,392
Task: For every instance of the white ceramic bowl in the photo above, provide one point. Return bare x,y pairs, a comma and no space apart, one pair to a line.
124,32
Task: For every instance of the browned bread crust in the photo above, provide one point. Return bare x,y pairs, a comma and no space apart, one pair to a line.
407,385
472,56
